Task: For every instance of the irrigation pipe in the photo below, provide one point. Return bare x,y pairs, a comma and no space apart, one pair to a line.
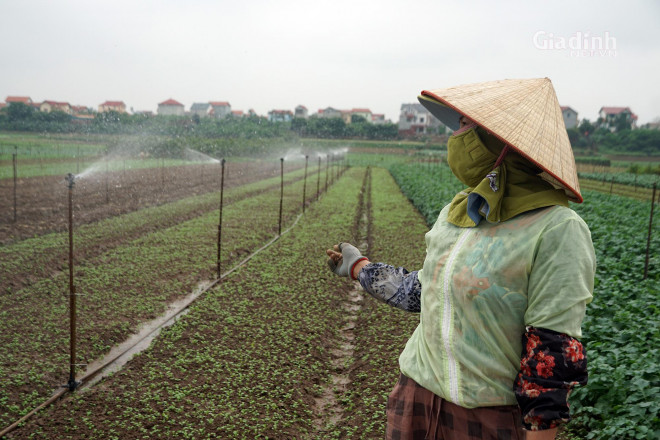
168,319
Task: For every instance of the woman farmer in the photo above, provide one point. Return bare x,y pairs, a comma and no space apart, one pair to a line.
508,272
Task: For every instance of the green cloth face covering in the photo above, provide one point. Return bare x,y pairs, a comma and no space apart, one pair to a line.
496,194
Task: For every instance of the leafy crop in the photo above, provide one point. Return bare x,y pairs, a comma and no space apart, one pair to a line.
641,180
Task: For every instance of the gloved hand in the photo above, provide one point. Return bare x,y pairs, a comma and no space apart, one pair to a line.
343,259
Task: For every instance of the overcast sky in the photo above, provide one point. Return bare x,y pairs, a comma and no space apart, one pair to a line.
277,54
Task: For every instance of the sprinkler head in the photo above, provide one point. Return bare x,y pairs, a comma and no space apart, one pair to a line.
70,180
223,161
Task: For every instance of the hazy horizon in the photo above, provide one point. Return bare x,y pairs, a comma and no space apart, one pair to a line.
346,54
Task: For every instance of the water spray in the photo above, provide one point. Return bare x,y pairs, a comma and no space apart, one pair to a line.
71,384
222,189
305,184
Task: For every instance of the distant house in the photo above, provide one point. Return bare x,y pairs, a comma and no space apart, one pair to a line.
52,106
300,112
415,119
237,113
112,106
280,115
607,117
16,99
220,109
251,112
378,118
329,112
570,117
171,107
3,105
201,109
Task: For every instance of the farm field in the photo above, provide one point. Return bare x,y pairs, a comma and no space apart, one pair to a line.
248,377
281,348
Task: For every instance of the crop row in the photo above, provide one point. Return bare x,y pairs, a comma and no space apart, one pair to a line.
622,399
640,180
119,288
635,192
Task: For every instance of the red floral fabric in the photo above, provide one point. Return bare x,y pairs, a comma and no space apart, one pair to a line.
551,365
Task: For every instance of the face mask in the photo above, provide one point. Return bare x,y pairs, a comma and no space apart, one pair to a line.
468,157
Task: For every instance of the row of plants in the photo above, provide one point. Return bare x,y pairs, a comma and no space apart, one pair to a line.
247,361
120,287
622,397
640,180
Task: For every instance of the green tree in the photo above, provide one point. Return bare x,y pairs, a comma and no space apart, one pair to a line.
19,111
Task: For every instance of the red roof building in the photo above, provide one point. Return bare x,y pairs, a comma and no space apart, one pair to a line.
23,99
112,106
170,107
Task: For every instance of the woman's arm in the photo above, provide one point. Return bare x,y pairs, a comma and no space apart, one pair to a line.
551,365
394,286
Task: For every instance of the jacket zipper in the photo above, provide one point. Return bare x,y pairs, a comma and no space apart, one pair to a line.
448,313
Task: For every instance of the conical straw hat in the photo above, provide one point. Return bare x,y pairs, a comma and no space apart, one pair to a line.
524,113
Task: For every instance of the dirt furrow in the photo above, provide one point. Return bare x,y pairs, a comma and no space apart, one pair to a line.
329,409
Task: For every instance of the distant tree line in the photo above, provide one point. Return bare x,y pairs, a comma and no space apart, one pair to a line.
593,139
21,117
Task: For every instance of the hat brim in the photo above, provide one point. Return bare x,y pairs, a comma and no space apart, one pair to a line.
446,115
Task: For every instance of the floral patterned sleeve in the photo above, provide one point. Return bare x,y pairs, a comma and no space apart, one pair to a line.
552,364
392,285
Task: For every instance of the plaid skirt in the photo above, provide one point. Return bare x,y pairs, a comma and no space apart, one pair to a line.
414,413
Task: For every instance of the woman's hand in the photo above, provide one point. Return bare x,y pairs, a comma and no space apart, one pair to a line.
346,260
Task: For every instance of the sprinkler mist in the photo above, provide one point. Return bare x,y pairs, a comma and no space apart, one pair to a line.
71,384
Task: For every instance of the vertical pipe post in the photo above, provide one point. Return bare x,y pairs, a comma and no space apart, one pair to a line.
279,229
327,165
13,159
648,240
318,179
107,177
305,184
222,190
71,384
